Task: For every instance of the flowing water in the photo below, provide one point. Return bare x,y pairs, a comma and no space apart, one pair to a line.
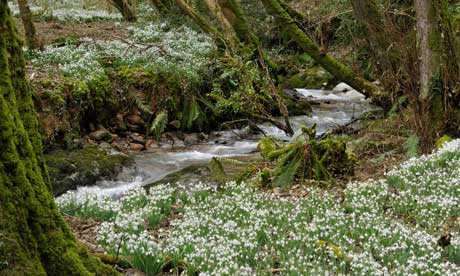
335,109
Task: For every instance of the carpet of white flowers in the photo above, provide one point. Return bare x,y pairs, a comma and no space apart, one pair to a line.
151,45
405,224
70,11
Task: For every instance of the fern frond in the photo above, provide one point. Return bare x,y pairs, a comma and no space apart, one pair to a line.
159,124
136,98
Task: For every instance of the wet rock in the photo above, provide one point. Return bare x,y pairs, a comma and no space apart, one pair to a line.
151,144
136,147
354,95
83,167
101,135
137,138
134,119
342,87
191,139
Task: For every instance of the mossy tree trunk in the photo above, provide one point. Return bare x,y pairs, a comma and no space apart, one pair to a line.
437,105
29,28
198,19
337,69
34,240
127,8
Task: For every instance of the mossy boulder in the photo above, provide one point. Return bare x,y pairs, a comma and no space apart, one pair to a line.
82,167
314,78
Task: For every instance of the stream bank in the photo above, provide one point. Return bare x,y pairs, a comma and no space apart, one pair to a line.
183,162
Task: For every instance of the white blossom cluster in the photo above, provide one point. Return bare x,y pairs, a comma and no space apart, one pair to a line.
387,227
68,11
182,52
82,15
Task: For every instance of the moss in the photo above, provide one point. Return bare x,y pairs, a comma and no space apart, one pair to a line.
34,239
82,167
266,146
441,141
314,78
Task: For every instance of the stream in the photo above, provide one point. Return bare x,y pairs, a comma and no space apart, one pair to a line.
334,109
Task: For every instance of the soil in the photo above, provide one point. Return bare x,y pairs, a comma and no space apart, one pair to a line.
51,32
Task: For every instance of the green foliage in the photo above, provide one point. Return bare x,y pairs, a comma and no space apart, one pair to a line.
239,88
307,158
192,115
217,167
441,141
266,146
158,125
412,146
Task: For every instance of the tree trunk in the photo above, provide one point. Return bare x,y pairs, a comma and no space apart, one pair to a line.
380,40
127,8
34,240
198,19
163,6
29,28
337,69
216,11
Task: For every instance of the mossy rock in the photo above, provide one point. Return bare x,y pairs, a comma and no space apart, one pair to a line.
82,167
314,78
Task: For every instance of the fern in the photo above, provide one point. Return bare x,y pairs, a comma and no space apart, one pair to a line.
159,124
136,98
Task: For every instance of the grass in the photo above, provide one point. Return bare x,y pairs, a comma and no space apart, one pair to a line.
391,226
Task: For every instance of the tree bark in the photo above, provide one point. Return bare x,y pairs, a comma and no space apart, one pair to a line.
380,40
337,69
216,11
127,8
34,240
29,28
198,19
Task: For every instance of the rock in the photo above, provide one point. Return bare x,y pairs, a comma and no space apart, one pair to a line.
135,120
137,138
175,124
136,147
314,77
151,144
104,146
203,136
342,87
191,139
101,135
354,95
83,167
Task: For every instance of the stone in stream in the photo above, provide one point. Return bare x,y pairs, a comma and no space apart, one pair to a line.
342,87
348,92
